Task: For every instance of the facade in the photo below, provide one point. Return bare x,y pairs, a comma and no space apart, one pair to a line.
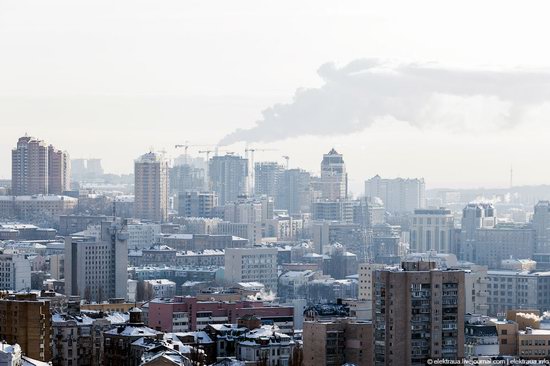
267,178
294,193
96,268
334,179
432,229
492,246
29,167
197,204
336,210
161,288
541,224
59,171
186,177
265,346
338,342
227,176
418,314
15,272
252,264
28,322
534,344
474,216
399,195
517,290
151,187
37,207
183,314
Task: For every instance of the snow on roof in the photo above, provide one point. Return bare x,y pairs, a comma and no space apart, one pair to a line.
133,331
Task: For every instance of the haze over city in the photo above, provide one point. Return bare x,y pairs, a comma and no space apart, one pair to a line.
311,75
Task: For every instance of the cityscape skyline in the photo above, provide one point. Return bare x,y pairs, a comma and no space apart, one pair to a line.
127,89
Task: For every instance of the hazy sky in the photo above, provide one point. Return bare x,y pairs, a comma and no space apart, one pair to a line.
456,94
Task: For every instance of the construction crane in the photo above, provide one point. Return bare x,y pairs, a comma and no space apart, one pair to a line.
186,147
251,184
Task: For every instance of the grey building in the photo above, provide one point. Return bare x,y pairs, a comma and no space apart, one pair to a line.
96,268
399,195
197,204
228,175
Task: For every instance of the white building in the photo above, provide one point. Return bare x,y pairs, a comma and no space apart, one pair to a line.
399,195
265,346
252,264
161,288
141,235
432,229
96,267
15,272
334,179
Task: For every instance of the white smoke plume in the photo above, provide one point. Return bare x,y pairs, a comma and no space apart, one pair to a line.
355,96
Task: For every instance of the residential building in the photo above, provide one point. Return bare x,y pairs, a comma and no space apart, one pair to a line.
191,314
337,342
29,168
294,193
162,288
335,210
265,346
432,229
37,208
541,225
28,322
480,337
399,195
197,204
517,290
151,187
252,264
15,272
267,178
534,344
228,176
418,314
186,177
59,171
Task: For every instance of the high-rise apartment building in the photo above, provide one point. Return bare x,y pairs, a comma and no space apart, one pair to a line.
228,175
252,265
399,195
294,193
28,322
29,167
432,229
96,267
197,204
186,177
541,224
418,314
267,177
151,187
59,171
338,342
334,179
39,169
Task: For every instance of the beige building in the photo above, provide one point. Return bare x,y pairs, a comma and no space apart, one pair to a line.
432,229
507,331
29,167
151,187
534,344
252,265
38,168
334,343
59,171
418,314
28,322
28,208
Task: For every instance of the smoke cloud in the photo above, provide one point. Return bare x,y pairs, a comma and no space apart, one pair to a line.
365,91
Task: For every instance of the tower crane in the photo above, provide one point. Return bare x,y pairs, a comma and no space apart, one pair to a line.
186,147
